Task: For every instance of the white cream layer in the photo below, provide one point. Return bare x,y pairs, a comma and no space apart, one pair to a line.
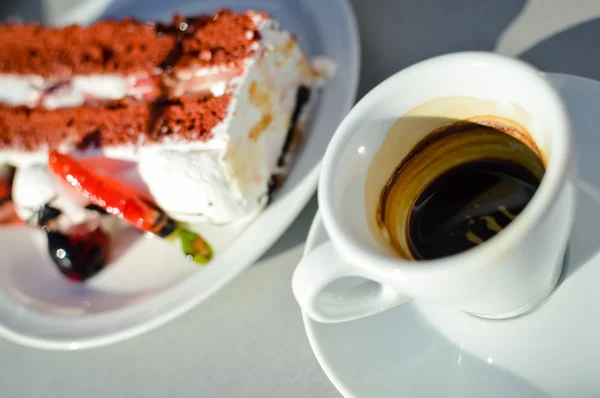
32,90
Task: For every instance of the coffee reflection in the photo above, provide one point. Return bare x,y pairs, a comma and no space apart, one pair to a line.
459,186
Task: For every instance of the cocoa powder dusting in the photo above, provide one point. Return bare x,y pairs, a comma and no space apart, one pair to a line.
126,47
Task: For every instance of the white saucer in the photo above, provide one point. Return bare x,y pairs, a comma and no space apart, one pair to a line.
426,350
151,282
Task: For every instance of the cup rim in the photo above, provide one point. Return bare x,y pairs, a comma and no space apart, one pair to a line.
549,188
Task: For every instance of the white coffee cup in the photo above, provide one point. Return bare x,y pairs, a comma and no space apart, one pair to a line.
505,276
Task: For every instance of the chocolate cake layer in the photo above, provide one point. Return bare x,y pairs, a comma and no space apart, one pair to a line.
126,47
114,123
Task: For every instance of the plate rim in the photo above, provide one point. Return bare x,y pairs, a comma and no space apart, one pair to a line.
302,192
317,227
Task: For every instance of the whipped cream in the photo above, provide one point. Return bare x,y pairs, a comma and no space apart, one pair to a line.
196,186
34,186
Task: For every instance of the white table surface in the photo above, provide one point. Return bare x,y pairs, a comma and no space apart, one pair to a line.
248,340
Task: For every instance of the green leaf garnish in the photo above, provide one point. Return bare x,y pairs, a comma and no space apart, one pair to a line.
194,246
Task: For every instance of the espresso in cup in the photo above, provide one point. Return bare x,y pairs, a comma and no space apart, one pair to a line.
458,187
451,174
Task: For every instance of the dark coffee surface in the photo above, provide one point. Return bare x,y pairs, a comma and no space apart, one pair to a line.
468,205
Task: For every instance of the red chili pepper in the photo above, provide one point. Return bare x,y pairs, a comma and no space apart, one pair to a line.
8,215
121,202
5,188
105,193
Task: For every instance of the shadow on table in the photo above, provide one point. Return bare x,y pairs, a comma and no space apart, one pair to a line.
574,51
584,246
396,34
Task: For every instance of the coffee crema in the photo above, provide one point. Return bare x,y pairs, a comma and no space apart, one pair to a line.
458,187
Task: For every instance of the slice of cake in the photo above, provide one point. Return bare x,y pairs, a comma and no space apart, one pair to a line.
203,114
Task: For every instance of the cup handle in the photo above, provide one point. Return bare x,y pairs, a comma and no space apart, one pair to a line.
323,266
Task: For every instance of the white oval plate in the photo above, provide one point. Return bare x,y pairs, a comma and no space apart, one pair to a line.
151,282
426,350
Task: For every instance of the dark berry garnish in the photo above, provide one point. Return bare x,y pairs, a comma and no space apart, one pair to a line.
80,252
43,215
96,208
